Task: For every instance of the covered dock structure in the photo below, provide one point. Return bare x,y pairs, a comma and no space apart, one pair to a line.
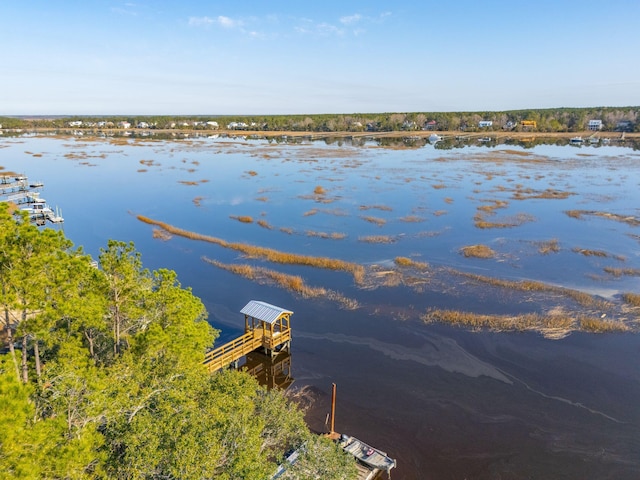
266,327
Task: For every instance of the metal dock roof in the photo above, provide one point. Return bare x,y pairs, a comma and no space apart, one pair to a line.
264,311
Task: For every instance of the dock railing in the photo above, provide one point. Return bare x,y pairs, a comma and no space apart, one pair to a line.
232,351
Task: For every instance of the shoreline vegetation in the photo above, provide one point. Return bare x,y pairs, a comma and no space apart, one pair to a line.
557,323
548,121
312,135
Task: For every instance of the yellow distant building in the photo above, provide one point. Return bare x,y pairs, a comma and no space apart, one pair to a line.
529,123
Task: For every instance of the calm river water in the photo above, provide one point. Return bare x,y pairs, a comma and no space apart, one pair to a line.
446,402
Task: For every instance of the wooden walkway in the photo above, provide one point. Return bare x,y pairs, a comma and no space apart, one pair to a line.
267,327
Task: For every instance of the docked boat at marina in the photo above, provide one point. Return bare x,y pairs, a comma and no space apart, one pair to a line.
16,190
40,210
576,141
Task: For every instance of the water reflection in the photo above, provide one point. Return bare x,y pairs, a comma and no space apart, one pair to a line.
270,372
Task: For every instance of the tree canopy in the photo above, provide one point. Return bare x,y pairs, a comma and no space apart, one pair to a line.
103,375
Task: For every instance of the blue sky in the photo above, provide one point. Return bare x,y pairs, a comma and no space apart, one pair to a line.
286,57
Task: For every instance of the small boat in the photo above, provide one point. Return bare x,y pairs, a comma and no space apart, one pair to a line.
576,141
366,454
433,138
38,207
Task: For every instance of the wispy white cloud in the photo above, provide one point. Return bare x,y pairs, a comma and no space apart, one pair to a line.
349,19
328,29
220,20
227,22
200,21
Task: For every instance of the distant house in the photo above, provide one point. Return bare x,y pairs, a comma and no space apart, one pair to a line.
528,124
595,125
409,125
237,126
142,125
509,125
124,125
624,126
430,125
75,123
212,125
485,123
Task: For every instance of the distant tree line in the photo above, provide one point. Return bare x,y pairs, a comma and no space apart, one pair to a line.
101,376
546,120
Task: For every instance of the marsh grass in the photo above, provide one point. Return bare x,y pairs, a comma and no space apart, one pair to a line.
628,219
631,299
598,325
478,251
378,221
549,193
264,224
548,246
325,235
319,190
242,218
269,254
161,234
619,272
197,201
548,325
292,283
252,173
378,239
287,230
589,253
412,219
384,208
532,286
409,263
507,222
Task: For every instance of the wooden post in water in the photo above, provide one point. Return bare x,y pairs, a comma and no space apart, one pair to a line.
333,409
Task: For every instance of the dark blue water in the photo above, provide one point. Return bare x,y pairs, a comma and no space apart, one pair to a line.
447,403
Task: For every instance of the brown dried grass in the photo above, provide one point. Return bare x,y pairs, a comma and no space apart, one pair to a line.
378,221
598,325
533,286
242,218
292,283
590,253
269,254
632,299
325,235
384,208
501,323
408,262
618,272
478,251
628,219
377,239
548,246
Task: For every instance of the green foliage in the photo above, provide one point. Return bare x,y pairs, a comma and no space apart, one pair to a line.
111,382
548,120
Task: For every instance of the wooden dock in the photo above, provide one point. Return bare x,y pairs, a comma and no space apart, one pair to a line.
266,328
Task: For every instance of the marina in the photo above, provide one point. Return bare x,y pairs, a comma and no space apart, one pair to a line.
17,190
